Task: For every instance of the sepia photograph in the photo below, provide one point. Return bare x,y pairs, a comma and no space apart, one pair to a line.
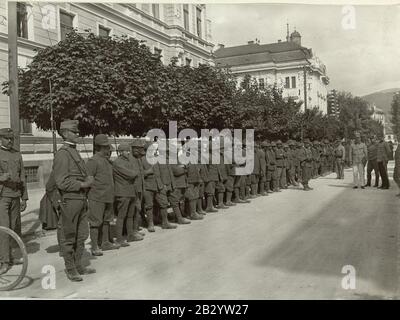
225,150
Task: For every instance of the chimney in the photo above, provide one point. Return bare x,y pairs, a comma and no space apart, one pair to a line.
250,42
220,46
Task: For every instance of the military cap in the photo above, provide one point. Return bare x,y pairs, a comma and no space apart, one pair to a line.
315,142
124,147
273,144
71,125
137,143
326,141
101,140
357,134
306,140
285,145
299,144
6,133
279,142
265,144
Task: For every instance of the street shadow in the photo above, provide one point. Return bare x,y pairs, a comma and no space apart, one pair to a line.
348,186
342,234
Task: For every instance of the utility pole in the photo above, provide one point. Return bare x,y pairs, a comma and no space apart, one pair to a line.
13,71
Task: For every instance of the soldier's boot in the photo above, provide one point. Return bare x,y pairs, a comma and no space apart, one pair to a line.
133,231
94,239
199,206
106,244
210,207
178,215
253,191
262,189
229,202
138,225
247,193
193,214
150,222
164,218
237,196
70,268
221,201
119,229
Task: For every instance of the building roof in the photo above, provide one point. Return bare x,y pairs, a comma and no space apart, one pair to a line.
256,53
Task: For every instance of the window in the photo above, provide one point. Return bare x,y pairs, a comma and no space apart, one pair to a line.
293,82
22,20
261,83
31,174
287,82
66,24
186,17
156,10
104,32
198,21
188,62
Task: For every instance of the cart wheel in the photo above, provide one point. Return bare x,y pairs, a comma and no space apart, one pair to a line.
5,282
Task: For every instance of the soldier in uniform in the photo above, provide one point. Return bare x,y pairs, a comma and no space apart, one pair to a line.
255,176
13,195
279,156
203,170
101,196
284,178
213,180
125,195
290,170
263,169
221,185
72,180
306,164
136,159
272,174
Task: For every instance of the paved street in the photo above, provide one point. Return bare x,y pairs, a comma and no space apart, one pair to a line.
290,245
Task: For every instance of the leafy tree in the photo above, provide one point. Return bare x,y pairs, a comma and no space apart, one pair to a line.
395,113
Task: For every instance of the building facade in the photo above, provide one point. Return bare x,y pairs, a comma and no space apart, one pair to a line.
288,65
171,30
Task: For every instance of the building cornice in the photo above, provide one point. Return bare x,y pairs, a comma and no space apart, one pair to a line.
23,43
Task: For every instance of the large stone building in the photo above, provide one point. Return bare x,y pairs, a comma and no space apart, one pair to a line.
293,68
172,30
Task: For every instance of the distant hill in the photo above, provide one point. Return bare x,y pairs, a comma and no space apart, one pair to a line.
382,99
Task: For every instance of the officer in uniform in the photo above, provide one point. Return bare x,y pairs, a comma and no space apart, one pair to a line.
13,195
203,179
72,180
272,173
263,169
255,176
220,187
279,156
125,194
101,196
285,166
213,180
306,164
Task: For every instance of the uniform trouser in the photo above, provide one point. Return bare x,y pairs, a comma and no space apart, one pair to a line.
255,179
340,168
100,216
305,174
9,218
262,183
125,212
372,165
283,182
73,231
358,174
292,173
382,165
278,173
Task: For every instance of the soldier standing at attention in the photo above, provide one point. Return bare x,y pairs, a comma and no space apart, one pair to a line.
255,176
13,196
101,196
124,179
263,169
279,155
306,164
340,158
72,180
203,180
272,167
213,176
136,160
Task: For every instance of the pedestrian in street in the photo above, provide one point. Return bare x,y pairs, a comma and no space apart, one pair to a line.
101,196
383,153
358,155
372,163
13,196
340,156
73,182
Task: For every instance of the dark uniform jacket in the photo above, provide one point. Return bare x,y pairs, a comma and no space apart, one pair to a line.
69,170
124,177
193,174
152,182
271,159
257,163
138,167
102,190
166,175
11,162
263,161
305,157
204,173
279,156
179,172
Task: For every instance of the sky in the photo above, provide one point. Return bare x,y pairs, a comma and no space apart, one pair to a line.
360,46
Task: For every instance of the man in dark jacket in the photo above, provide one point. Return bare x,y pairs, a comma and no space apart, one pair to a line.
383,152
